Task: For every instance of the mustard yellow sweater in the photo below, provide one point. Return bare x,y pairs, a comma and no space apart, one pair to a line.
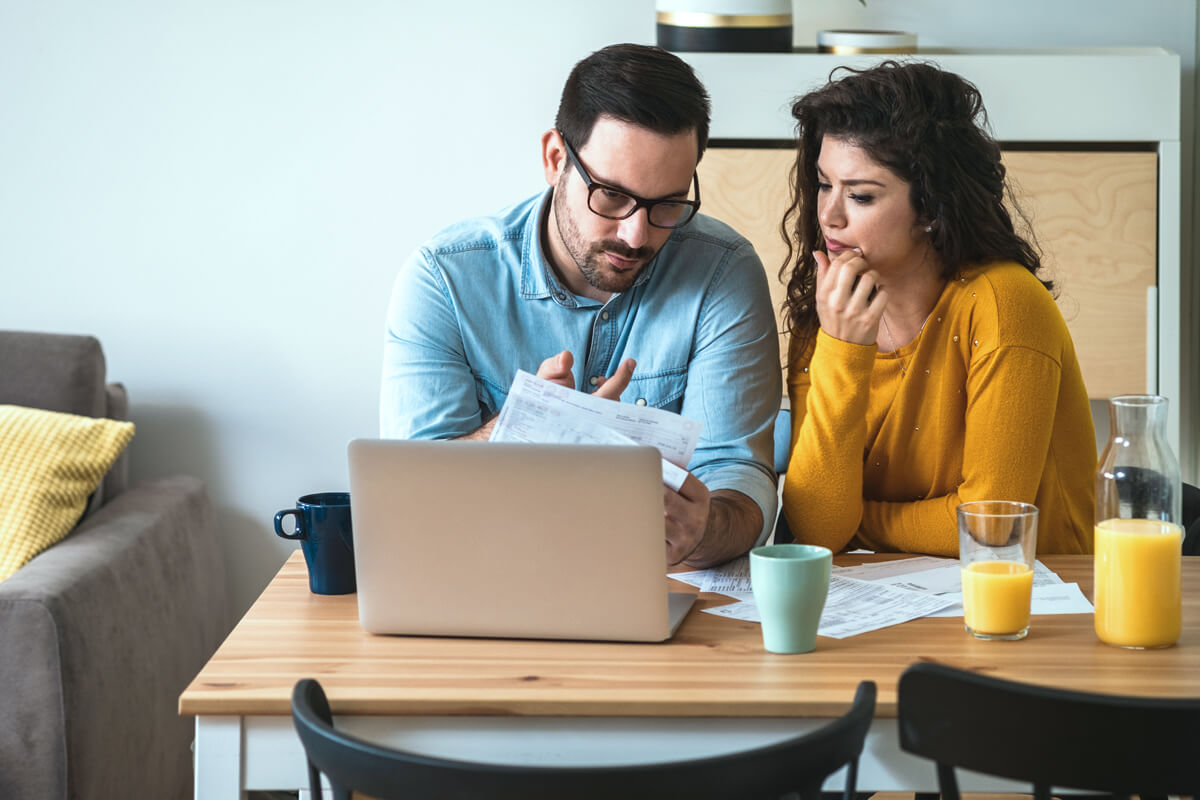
992,407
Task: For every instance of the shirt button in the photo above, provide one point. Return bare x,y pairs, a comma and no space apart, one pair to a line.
641,401
604,315
594,380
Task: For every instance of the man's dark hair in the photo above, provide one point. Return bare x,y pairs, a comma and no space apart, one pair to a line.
639,84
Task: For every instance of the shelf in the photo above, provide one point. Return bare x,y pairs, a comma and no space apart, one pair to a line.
1114,94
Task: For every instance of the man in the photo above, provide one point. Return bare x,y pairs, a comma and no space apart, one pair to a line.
608,282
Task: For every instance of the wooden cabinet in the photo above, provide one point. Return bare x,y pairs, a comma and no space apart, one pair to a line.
1095,217
1094,214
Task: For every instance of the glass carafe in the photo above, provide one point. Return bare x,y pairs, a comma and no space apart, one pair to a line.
1139,536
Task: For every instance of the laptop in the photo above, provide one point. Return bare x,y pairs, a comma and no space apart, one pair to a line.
541,541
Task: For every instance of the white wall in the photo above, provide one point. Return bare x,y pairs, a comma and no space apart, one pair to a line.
221,192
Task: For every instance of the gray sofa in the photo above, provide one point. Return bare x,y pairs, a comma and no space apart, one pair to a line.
100,633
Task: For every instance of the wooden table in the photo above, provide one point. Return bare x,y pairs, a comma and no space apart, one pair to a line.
711,689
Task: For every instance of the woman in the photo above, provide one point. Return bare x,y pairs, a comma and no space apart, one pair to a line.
929,365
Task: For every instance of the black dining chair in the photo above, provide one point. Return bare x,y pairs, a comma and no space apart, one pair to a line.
1191,520
1145,490
799,764
1051,738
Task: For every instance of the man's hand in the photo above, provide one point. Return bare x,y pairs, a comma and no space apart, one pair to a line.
612,386
686,513
730,524
557,369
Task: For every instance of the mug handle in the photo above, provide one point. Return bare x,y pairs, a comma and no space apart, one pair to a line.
299,532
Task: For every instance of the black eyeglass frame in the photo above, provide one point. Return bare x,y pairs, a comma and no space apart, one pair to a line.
638,202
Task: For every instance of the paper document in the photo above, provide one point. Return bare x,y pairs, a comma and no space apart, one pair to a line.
1055,598
872,596
928,574
853,607
731,578
943,577
540,411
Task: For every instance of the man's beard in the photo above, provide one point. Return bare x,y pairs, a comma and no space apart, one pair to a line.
595,268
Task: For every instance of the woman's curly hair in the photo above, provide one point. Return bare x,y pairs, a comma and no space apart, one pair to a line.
929,127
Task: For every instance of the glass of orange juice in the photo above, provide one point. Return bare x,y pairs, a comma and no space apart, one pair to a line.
997,543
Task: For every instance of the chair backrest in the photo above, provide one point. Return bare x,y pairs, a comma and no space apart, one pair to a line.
1191,520
800,764
1051,738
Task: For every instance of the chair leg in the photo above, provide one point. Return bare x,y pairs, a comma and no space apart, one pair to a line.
314,782
948,782
849,792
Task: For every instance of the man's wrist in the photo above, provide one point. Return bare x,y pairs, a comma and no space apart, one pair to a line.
483,433
734,523
691,552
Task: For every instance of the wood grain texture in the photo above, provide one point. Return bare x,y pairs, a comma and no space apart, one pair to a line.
1093,213
713,667
1095,217
749,189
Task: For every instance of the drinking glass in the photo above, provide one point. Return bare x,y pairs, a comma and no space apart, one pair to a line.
997,543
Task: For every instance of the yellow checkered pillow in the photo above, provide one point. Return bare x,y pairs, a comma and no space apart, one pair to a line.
49,463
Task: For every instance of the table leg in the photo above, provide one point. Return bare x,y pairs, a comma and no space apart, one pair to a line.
220,764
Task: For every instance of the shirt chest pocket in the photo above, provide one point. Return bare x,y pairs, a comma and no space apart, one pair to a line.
659,390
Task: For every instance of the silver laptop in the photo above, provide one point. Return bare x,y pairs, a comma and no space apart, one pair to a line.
543,541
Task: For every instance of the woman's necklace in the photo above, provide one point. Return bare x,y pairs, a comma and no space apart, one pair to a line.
888,330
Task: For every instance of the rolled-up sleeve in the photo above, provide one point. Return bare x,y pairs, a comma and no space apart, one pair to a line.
734,384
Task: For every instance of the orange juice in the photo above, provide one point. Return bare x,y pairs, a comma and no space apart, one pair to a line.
996,596
1138,601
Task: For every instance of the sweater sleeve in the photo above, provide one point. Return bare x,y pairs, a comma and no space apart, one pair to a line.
1012,393
822,494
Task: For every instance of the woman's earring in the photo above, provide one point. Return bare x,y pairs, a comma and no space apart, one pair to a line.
929,229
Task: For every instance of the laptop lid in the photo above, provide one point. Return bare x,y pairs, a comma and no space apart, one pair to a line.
546,541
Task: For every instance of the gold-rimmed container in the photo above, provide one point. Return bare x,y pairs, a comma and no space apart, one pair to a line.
725,26
864,42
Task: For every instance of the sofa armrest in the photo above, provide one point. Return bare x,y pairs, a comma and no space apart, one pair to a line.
99,635
118,476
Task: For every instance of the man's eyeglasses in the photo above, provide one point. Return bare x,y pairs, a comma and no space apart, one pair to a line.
612,203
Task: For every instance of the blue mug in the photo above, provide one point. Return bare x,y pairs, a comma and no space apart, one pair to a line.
323,528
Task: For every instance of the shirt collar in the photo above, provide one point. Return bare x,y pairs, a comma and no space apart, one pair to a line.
538,280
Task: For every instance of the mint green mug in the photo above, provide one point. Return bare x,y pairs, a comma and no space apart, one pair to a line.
790,583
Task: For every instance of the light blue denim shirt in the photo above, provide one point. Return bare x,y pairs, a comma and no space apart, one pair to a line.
479,302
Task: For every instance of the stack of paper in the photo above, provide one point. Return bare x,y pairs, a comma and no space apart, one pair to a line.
884,593
540,411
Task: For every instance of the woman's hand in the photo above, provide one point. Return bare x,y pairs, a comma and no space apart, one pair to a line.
850,302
